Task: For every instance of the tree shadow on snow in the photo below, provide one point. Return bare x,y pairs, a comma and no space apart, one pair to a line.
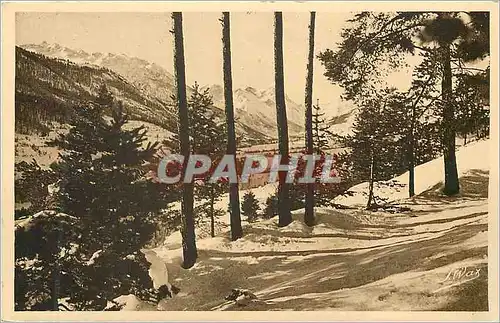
355,270
473,186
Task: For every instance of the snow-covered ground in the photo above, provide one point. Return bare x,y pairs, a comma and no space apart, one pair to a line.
385,263
472,156
432,255
29,147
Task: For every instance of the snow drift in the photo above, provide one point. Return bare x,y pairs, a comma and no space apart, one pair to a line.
428,175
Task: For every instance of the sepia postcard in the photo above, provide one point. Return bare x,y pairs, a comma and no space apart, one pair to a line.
211,161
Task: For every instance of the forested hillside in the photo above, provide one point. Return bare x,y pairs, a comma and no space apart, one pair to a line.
49,89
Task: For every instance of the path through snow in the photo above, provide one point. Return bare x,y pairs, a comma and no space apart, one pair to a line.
353,259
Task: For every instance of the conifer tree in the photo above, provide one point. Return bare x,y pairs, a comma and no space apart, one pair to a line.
44,245
285,217
32,184
309,201
271,209
104,190
250,206
323,192
374,152
208,139
189,250
419,104
320,130
373,43
472,105
234,198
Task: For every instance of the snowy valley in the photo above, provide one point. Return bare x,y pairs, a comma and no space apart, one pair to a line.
352,259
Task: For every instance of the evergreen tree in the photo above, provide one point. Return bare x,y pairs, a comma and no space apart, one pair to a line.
44,247
320,129
32,184
250,206
375,42
393,132
208,139
285,217
271,209
210,134
374,152
190,252
419,104
104,97
472,105
309,207
104,189
444,30
210,194
234,198
323,192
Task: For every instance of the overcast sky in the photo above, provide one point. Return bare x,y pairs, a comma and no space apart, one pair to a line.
146,35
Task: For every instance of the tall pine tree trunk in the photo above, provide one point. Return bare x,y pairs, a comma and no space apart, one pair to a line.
411,172
234,198
56,275
370,183
284,214
188,235
411,134
411,155
212,211
309,208
316,135
451,184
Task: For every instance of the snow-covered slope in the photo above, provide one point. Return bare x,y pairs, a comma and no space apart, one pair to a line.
340,116
257,109
427,176
33,146
353,259
473,156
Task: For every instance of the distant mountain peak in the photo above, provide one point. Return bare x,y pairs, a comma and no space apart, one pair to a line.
251,90
269,91
214,87
149,77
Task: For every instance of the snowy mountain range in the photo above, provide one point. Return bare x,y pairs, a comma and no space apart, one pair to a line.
255,109
148,77
340,116
49,89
